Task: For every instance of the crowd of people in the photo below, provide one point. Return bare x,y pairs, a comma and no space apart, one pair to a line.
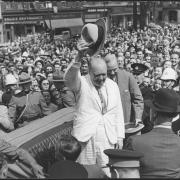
40,75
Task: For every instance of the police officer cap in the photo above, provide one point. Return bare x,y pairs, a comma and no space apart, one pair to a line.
123,158
138,68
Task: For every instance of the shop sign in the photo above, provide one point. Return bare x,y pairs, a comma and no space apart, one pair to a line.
22,18
97,10
66,15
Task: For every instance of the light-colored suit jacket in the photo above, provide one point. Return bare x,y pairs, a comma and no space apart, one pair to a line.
88,107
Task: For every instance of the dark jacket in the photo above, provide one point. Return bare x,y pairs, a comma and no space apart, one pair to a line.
131,97
36,107
161,150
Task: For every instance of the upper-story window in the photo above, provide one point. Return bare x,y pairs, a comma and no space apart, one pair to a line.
172,16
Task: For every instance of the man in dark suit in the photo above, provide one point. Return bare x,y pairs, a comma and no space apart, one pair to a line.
132,100
160,146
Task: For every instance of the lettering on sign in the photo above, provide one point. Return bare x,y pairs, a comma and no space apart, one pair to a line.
22,18
97,10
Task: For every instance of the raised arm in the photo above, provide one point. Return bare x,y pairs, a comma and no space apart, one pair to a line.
73,75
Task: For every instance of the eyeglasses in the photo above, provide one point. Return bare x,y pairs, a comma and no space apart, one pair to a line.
45,83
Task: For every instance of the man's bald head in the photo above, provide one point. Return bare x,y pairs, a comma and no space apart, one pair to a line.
97,71
111,61
112,66
97,63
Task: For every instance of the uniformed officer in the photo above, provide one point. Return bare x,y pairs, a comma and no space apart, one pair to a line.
138,70
124,163
27,105
63,92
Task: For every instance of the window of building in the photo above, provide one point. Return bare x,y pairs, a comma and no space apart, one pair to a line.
160,16
172,16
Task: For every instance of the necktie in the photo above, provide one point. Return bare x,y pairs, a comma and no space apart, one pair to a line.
103,102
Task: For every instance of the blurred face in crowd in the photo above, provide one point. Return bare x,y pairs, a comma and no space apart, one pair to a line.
174,59
139,55
127,54
4,71
157,84
84,69
167,84
166,58
158,72
49,69
50,76
132,60
57,66
57,96
98,72
45,84
12,68
35,85
132,50
39,65
13,87
47,97
146,81
148,59
120,61
167,64
26,87
63,64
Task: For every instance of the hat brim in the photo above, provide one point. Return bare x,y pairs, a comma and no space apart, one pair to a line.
150,104
25,82
92,51
131,128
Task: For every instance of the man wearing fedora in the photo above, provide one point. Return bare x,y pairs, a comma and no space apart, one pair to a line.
132,100
27,105
65,96
160,146
98,122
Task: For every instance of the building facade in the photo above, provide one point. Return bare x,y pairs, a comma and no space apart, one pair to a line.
118,13
22,18
167,12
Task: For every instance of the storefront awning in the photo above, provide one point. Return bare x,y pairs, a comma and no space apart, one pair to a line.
22,22
90,20
58,23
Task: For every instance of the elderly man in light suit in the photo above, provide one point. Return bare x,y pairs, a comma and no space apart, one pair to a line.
99,121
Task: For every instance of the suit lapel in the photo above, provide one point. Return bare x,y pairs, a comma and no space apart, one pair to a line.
94,92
